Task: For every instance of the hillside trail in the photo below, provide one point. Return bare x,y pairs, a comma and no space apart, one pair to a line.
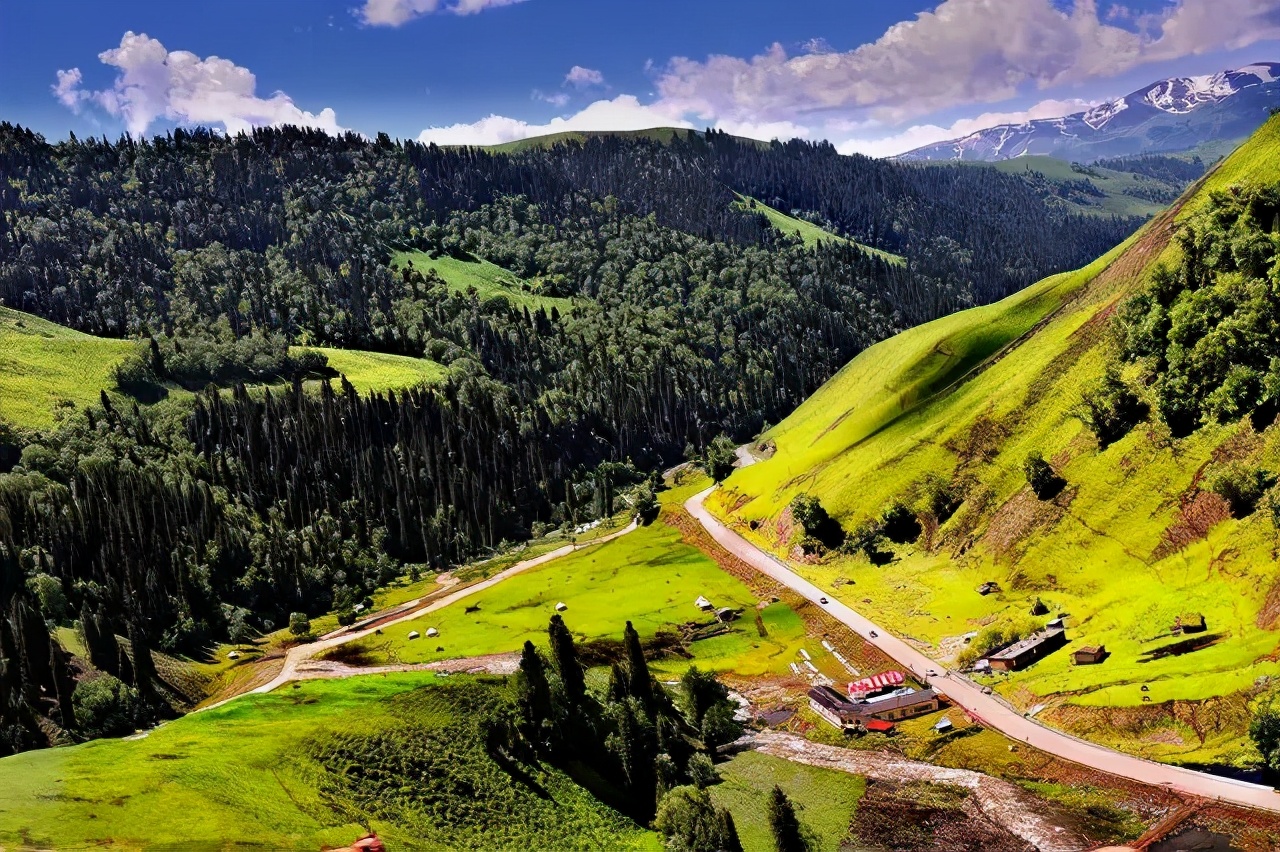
1002,802
300,662
983,706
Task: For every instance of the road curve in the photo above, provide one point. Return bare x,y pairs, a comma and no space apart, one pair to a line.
988,709
301,654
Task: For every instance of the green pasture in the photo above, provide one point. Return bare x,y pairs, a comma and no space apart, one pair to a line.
811,234
648,577
44,366
246,775
370,372
825,799
486,278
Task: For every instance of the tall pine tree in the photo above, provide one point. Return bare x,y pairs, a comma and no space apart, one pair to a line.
565,656
785,825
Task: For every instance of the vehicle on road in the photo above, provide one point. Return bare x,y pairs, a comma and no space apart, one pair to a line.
823,600
874,634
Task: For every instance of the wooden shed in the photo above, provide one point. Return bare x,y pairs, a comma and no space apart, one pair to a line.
1089,655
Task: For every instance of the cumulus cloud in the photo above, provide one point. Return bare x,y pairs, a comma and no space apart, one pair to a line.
68,89
920,135
153,82
394,13
624,112
964,51
583,78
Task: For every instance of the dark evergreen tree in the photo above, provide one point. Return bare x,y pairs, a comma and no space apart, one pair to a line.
639,681
565,656
784,824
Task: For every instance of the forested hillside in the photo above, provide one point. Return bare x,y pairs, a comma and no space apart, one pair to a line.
170,527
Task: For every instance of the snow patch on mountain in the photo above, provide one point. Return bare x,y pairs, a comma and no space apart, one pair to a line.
1155,118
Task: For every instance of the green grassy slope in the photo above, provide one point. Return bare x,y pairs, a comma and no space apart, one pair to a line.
809,232
825,799
44,366
649,577
253,774
967,398
487,278
376,371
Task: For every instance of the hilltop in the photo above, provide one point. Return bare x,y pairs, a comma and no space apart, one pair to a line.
940,420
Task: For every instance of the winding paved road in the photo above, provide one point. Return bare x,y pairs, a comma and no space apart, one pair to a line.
988,709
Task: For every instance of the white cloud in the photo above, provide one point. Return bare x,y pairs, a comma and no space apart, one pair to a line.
582,78
624,112
394,13
557,99
153,82
68,91
768,130
964,51
927,134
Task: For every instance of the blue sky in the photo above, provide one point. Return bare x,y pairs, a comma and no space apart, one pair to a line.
873,76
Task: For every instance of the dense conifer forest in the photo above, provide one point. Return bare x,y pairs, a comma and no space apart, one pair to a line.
173,527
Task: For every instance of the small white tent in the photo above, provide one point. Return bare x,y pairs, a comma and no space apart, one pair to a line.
702,603
562,606
413,634
432,632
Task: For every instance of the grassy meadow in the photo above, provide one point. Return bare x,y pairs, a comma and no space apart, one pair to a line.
44,366
965,399
259,773
369,372
825,799
486,278
811,234
649,577
1115,203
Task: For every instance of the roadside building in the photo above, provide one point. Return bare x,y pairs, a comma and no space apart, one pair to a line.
1021,654
872,714
1089,655
903,704
832,706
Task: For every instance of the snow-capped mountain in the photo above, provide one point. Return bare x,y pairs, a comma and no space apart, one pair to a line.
1169,115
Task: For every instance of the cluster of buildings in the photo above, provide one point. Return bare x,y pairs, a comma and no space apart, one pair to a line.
872,704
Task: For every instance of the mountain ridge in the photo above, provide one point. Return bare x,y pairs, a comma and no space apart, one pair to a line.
1169,115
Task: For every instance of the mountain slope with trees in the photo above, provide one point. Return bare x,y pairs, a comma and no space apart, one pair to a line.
1102,445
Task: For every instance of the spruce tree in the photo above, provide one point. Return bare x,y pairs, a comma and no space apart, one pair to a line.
534,690
639,681
565,656
784,823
